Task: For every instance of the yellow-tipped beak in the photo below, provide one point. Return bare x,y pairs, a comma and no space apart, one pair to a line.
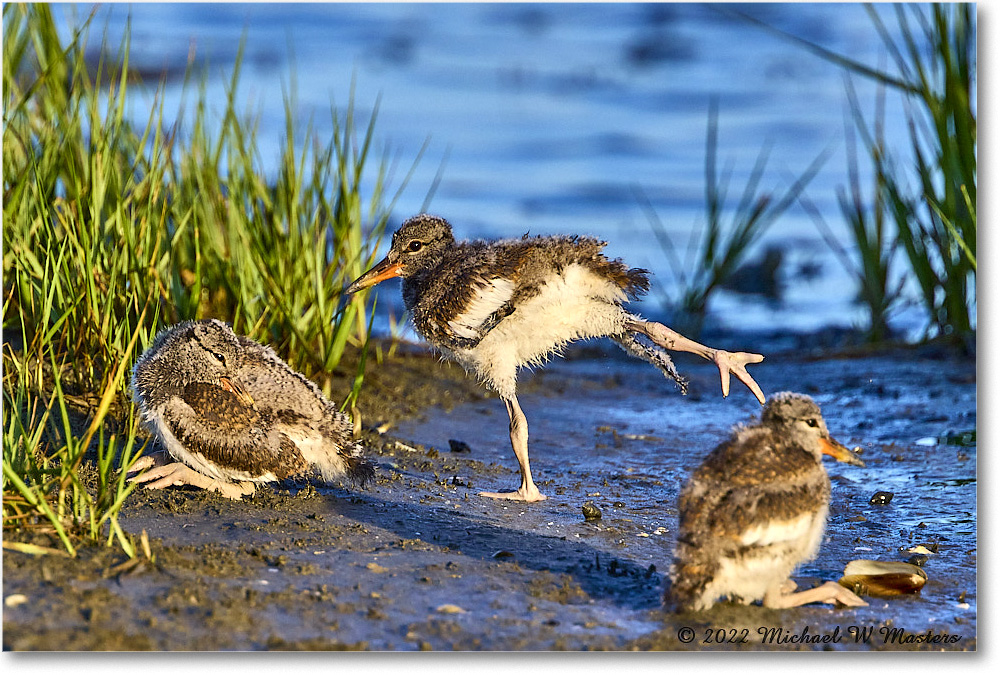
384,270
833,448
242,394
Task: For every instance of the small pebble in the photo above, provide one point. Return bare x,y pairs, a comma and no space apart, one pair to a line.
458,446
917,560
590,511
881,498
450,609
502,554
19,599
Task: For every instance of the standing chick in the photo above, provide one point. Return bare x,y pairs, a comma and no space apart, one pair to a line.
498,306
755,509
233,414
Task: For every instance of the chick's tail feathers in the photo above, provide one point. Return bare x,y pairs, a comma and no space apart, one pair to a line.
359,470
334,463
686,589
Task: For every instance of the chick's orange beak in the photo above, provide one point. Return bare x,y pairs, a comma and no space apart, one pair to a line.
840,453
235,388
384,270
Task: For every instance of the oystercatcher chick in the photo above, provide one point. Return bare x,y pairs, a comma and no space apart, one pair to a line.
497,306
233,414
755,509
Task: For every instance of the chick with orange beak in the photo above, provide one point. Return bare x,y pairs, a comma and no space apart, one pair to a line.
755,509
498,306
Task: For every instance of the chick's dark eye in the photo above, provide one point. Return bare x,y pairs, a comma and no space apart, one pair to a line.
414,246
812,422
219,357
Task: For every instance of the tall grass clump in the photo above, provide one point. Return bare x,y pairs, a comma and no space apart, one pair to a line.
880,286
936,218
722,244
928,189
113,230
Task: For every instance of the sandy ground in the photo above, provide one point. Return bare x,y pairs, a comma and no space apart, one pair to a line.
419,561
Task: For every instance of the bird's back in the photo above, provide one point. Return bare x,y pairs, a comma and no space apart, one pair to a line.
253,419
279,389
497,306
750,513
301,414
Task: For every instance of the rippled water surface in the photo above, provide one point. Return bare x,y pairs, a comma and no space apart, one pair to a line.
546,117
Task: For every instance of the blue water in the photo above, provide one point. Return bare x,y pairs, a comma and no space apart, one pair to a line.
546,117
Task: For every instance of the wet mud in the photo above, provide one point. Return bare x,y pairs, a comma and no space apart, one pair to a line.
419,561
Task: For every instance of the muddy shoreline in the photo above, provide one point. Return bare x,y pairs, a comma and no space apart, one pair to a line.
420,562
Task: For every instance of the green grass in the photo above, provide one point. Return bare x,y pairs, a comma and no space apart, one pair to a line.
722,244
928,189
936,219
113,231
880,288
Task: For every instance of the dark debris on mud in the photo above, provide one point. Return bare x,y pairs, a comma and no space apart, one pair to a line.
419,561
